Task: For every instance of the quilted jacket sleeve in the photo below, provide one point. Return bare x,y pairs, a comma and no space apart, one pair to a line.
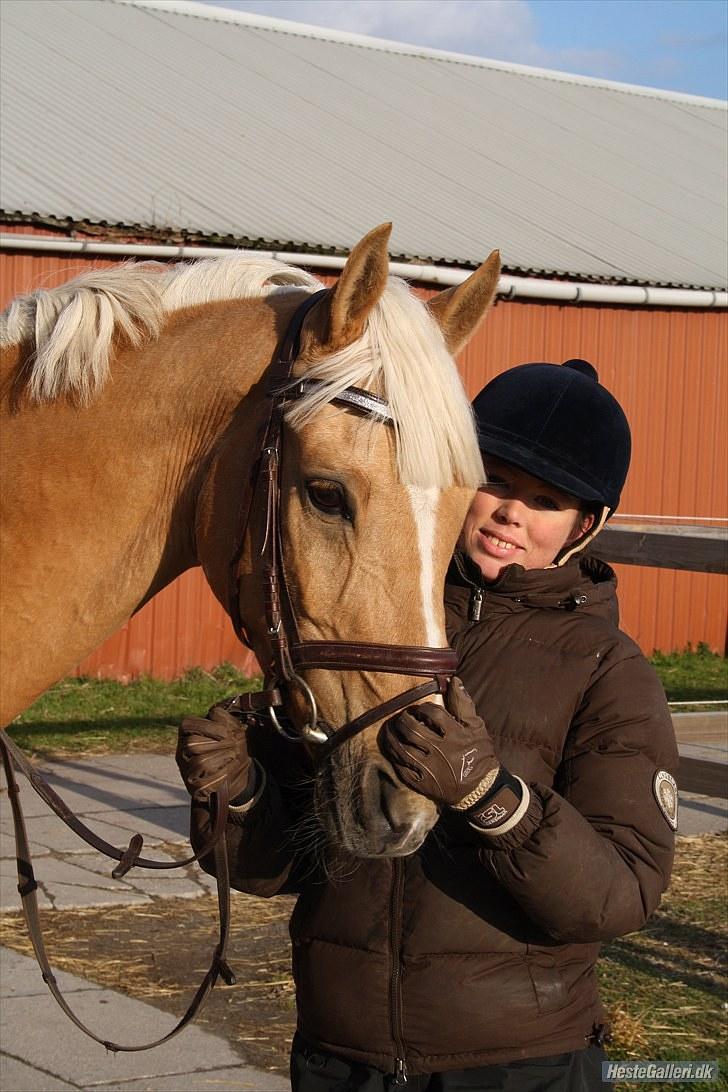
591,857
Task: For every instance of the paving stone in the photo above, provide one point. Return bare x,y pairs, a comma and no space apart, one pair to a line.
161,768
241,1079
702,814
72,896
48,834
9,897
63,884
21,977
7,840
167,824
16,1076
71,872
71,1056
29,799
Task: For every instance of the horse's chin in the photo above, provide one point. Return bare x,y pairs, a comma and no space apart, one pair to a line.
387,844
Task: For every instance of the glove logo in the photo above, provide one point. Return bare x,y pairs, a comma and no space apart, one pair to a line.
468,763
492,815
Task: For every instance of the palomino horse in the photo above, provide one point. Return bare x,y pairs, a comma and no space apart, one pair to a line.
132,402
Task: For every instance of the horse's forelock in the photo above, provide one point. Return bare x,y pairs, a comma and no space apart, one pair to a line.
403,353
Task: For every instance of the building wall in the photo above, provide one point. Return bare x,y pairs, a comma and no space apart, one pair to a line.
667,368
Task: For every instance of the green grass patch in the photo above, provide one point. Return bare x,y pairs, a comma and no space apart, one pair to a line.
693,675
101,715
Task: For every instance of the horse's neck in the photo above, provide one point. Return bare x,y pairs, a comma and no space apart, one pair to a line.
99,502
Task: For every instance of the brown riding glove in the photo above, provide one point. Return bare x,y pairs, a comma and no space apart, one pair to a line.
211,749
449,758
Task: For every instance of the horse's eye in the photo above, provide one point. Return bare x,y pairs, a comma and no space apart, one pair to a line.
328,497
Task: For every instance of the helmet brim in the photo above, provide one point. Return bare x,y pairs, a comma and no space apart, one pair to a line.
539,465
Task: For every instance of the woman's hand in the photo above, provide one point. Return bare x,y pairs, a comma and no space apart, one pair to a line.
213,749
445,756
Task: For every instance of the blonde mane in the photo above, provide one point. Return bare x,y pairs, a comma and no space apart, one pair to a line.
403,353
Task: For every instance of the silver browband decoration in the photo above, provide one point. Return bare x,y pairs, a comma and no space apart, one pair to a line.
359,399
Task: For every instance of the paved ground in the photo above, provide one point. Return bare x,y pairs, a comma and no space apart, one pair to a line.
118,796
40,1049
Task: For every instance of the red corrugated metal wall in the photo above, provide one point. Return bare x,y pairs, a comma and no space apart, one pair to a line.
667,368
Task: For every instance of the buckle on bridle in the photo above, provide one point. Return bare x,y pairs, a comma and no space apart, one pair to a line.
310,731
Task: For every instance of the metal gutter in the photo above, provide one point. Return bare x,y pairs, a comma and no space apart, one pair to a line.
508,286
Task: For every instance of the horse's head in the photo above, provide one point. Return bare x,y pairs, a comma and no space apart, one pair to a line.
367,557
370,511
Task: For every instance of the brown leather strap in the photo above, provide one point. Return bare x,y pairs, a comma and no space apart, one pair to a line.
381,712
127,858
253,701
394,659
277,378
27,886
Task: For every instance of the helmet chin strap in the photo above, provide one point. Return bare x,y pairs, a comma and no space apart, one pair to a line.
567,552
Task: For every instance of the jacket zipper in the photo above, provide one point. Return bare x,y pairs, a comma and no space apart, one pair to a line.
395,986
476,604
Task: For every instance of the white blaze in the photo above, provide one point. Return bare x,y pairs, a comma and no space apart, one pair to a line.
424,508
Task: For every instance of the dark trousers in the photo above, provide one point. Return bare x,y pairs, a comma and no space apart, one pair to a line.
314,1070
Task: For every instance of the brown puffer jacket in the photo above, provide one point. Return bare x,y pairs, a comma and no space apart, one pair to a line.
481,949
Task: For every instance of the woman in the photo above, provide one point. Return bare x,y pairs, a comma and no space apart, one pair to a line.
552,766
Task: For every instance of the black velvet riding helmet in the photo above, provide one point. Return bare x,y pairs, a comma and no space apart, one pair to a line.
559,424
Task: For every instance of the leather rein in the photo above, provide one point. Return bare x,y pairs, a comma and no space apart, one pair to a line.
289,656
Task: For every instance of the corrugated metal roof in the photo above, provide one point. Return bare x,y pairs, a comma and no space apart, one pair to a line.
203,121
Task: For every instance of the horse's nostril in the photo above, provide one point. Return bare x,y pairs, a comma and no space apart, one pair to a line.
393,803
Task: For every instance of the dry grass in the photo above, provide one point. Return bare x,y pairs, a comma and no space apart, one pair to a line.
665,986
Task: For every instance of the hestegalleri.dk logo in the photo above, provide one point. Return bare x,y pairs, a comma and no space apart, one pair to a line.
639,1070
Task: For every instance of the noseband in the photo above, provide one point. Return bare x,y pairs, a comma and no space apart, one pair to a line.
289,654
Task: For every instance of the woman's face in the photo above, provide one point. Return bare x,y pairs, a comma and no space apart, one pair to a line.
518,519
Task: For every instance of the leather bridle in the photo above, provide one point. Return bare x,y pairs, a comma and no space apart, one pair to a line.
289,656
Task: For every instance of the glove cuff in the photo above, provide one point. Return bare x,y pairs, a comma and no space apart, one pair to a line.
502,806
251,794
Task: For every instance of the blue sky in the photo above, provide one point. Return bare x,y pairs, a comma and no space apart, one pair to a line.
677,44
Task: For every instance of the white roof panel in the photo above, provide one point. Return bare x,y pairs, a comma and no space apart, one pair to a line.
206,121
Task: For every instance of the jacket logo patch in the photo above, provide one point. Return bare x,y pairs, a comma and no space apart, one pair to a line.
468,763
665,791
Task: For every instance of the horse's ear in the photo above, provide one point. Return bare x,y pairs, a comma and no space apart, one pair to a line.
362,281
458,310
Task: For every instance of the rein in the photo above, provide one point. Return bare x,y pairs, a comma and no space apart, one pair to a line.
289,656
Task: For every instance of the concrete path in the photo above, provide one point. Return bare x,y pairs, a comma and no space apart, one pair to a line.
40,1050
118,796
703,744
